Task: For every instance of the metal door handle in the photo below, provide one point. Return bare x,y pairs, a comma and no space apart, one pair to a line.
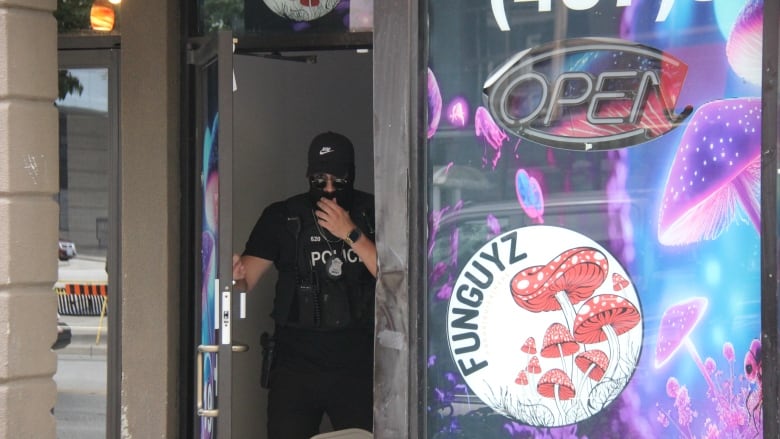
239,347
211,413
201,411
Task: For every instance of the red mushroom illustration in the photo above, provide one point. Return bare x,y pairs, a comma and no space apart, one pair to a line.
522,378
717,170
558,342
619,282
593,364
529,347
533,366
556,384
605,317
677,323
568,279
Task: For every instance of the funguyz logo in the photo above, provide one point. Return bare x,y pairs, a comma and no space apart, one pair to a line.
545,326
588,94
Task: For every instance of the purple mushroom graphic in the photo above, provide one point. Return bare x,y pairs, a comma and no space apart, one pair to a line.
715,172
677,323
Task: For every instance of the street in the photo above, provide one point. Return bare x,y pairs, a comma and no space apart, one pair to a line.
83,268
80,410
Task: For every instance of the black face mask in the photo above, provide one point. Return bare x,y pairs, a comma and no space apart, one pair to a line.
343,195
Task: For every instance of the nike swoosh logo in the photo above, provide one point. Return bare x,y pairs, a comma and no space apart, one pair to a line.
326,150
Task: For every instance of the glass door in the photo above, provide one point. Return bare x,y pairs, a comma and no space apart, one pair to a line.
88,250
214,88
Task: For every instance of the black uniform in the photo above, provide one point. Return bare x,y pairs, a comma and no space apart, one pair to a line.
324,323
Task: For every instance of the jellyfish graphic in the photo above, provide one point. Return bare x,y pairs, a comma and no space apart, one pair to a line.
458,112
716,173
434,104
745,42
530,196
493,226
491,135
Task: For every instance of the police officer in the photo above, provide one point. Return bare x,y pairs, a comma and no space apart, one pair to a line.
322,244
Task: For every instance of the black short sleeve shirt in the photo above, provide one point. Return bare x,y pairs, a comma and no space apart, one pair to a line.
265,241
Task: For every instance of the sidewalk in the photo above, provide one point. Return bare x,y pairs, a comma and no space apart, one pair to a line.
84,336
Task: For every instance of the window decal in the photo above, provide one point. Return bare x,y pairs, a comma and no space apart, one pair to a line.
546,284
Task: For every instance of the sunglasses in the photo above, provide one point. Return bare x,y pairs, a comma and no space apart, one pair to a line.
319,181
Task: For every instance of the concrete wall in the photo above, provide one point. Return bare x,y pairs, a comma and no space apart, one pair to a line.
28,185
149,111
400,217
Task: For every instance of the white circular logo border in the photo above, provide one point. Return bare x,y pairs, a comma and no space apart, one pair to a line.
486,331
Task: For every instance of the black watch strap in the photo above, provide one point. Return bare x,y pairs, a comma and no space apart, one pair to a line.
353,236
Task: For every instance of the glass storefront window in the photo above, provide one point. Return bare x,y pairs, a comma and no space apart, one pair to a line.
594,255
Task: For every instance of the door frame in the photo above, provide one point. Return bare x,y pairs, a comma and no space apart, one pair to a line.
196,49
93,52
201,56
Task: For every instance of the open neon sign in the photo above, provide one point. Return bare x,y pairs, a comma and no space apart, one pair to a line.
499,10
587,94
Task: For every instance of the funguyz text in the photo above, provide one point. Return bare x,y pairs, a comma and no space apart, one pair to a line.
588,94
467,298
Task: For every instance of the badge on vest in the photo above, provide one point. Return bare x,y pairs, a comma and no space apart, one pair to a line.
333,267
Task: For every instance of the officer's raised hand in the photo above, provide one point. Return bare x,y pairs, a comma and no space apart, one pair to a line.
332,217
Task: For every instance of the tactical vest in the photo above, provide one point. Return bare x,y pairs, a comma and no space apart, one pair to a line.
306,296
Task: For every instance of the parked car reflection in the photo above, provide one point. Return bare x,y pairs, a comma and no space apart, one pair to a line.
63,335
67,250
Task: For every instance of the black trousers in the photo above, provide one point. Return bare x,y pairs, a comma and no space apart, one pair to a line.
298,399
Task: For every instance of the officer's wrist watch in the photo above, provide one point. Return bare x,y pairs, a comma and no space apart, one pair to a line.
353,236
